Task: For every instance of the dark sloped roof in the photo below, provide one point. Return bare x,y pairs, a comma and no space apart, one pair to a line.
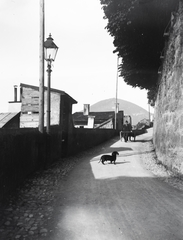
100,117
6,117
52,90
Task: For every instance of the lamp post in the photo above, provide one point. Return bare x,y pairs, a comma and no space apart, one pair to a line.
50,51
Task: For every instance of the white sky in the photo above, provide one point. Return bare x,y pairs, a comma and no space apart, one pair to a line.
85,66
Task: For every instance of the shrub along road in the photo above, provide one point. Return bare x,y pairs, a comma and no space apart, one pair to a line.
82,199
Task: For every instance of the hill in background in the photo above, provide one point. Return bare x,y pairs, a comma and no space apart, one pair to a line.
137,113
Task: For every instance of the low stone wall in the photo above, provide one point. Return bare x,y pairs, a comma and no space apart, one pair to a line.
24,151
168,124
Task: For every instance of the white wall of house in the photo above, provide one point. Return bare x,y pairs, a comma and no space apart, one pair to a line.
14,107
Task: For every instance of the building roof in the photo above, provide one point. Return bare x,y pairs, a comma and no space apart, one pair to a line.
52,90
6,117
100,117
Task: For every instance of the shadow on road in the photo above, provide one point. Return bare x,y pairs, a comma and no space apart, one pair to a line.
142,140
136,153
122,162
87,200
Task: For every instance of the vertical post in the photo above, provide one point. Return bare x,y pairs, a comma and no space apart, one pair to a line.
149,114
20,93
48,98
15,93
41,70
116,103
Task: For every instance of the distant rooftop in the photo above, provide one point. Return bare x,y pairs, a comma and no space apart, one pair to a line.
6,117
52,90
100,117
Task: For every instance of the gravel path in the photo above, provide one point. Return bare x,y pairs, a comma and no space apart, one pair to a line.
29,213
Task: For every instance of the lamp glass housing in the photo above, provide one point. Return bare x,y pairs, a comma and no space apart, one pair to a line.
50,49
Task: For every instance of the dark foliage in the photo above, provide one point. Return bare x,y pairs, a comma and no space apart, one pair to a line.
137,27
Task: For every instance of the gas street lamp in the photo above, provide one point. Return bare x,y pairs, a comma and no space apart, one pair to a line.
50,52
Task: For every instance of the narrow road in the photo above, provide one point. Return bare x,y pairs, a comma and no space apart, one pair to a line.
117,202
79,198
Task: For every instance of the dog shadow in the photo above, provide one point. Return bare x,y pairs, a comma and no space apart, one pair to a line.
117,149
119,163
122,162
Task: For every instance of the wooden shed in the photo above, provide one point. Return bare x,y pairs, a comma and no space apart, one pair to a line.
61,107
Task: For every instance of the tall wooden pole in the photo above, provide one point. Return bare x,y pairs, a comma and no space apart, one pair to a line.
41,69
149,114
116,103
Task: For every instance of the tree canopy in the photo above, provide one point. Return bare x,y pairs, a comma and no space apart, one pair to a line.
137,27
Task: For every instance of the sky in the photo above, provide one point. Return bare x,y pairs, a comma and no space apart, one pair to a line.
85,66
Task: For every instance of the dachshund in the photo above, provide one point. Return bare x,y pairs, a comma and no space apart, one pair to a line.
111,157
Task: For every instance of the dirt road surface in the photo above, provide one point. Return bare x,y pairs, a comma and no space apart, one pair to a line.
117,202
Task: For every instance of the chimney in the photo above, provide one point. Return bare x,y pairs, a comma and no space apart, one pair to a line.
20,93
15,93
86,109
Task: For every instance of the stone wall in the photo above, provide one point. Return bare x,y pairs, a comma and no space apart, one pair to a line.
168,123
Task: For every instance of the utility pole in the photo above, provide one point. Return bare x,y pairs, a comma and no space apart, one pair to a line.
116,103
41,69
149,114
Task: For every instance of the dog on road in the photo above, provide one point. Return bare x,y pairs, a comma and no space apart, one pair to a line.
111,158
